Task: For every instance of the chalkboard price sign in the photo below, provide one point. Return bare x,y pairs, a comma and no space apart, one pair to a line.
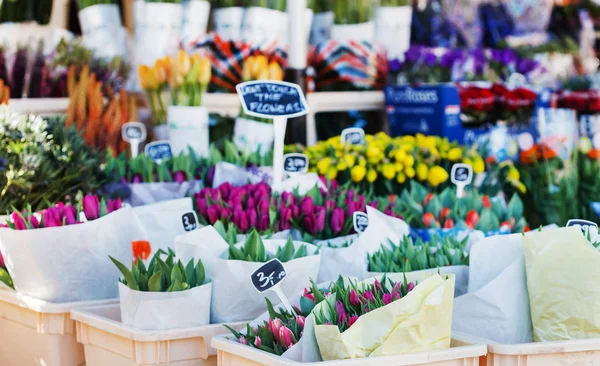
271,99
189,221
268,275
353,136
361,221
462,176
159,151
134,133
295,163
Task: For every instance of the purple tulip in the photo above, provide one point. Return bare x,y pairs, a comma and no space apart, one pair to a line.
250,202
114,205
51,217
70,215
329,205
310,224
202,206
91,207
225,190
387,298
341,312
264,206
388,211
18,221
236,218
350,195
34,222
285,221
210,176
394,66
350,208
243,225
263,224
352,320
368,297
337,220
213,214
410,287
307,206
320,216
2,264
295,211
137,179
360,204
225,213
430,59
252,216
287,198
353,297
179,176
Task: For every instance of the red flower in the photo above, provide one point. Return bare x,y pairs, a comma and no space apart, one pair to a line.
141,249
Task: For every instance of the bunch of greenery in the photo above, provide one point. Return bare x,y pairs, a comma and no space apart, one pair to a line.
161,276
253,250
42,162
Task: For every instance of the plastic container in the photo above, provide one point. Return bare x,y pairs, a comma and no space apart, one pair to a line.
576,352
460,353
107,342
37,333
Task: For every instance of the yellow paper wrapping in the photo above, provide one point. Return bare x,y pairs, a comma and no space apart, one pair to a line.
563,272
419,322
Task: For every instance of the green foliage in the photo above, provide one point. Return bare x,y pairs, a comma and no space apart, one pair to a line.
161,276
253,250
408,256
42,162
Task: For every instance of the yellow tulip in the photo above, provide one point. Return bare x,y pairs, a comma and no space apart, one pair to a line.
332,173
259,66
521,187
373,152
362,161
358,173
263,75
388,170
401,178
409,140
422,171
184,64
275,71
400,155
513,174
146,77
247,69
437,175
341,165
323,165
409,160
205,71
350,160
410,172
455,154
371,175
478,165
399,167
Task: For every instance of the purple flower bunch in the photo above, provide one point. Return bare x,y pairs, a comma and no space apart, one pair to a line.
63,214
247,207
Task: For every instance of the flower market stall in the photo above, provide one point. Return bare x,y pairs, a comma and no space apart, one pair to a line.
306,182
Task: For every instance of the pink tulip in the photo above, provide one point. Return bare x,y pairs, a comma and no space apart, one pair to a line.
350,208
295,211
225,189
354,299
179,177
285,337
243,340
250,202
300,320
361,203
34,222
2,264
368,296
18,221
274,326
264,206
285,222
257,342
287,198
341,312
91,207
225,213
308,295
202,206
352,320
137,179
310,224
387,298
410,287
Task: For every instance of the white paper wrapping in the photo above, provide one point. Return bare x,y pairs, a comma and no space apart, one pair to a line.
392,29
162,222
251,136
321,27
14,34
227,22
161,132
257,30
302,183
496,306
239,176
165,310
157,30
352,261
148,193
188,127
234,297
102,31
353,32
195,21
70,263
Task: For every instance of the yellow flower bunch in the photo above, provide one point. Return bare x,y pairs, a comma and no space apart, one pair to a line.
259,68
391,162
186,77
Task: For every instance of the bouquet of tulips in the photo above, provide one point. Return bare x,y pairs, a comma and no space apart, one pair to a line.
182,81
425,210
224,263
387,165
91,227
142,169
146,293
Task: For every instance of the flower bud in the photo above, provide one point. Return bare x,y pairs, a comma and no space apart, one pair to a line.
91,207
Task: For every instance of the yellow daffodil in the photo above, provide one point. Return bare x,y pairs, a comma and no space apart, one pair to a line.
371,175
422,171
388,171
358,173
410,172
455,154
437,175
401,178
323,165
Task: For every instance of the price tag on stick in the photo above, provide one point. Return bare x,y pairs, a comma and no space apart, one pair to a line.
353,136
361,221
277,100
134,133
189,221
268,277
462,176
295,163
588,228
159,151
